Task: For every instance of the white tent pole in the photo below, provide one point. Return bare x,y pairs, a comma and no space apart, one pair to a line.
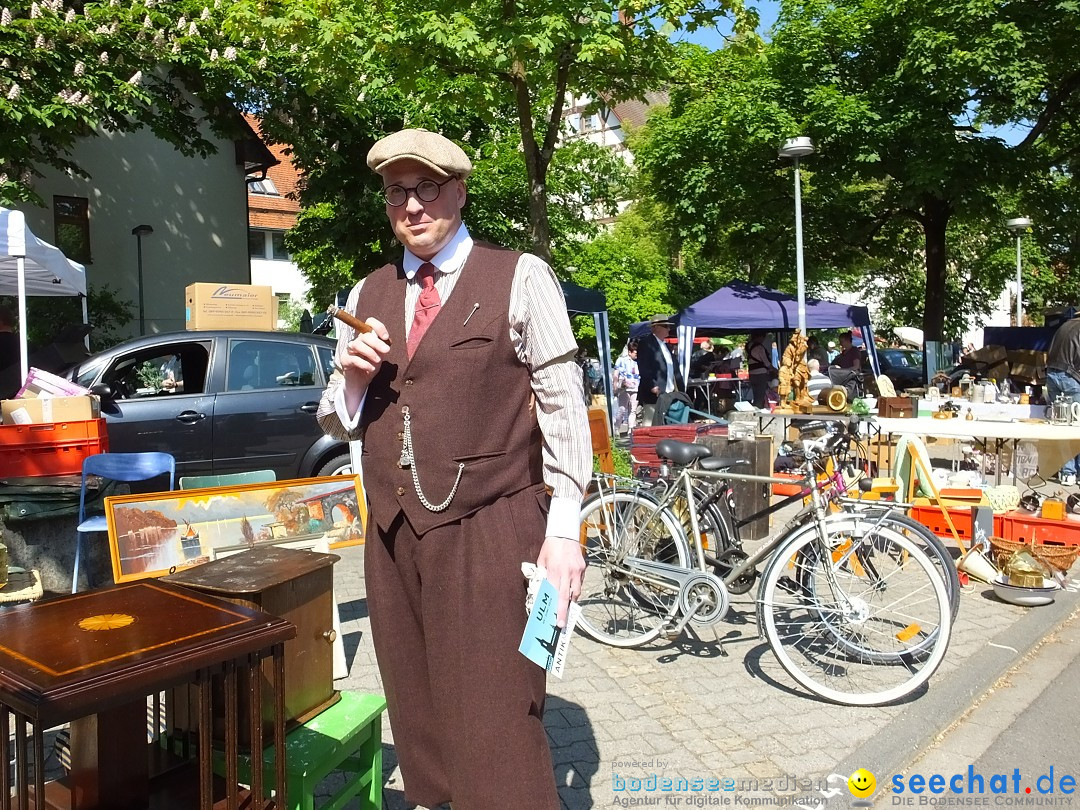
85,320
685,350
21,262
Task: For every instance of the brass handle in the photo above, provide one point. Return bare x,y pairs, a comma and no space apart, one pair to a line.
330,636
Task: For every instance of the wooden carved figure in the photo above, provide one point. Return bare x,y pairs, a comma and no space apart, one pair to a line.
794,375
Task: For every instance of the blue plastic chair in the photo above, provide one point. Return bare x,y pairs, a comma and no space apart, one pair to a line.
117,467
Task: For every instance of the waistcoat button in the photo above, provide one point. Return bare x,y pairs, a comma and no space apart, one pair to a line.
401,490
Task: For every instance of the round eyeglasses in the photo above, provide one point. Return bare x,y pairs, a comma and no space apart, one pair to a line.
425,191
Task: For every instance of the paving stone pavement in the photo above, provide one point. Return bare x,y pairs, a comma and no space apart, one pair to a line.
700,708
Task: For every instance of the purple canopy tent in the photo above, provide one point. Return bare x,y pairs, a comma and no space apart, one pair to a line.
744,307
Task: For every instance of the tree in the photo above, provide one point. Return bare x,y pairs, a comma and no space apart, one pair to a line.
490,57
896,96
70,71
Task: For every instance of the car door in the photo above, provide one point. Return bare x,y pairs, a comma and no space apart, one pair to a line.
264,417
160,402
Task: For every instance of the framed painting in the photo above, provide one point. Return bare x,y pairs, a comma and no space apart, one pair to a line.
155,534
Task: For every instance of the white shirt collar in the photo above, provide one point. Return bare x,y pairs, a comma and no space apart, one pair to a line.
448,260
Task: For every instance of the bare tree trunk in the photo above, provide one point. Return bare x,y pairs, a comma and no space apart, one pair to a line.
935,219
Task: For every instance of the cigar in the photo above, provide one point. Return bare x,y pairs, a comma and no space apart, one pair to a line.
349,319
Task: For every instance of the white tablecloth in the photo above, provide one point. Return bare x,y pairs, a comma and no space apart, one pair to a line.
1055,443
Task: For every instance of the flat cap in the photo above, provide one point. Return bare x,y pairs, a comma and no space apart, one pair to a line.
430,148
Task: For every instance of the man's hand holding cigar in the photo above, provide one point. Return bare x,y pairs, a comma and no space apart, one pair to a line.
362,357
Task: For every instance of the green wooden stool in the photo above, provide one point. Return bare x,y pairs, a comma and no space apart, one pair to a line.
345,737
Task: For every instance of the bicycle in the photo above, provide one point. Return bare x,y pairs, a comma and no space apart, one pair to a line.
860,619
720,526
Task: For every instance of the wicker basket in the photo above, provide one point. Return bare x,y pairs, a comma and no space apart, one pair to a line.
1059,558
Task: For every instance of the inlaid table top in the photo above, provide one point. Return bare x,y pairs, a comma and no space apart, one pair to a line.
75,655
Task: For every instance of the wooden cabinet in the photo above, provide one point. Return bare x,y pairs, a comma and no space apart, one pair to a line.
295,585
750,496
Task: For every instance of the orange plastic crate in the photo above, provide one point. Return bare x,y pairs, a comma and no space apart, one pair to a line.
931,518
1022,527
52,448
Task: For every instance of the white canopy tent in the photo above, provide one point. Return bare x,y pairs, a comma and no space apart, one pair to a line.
29,266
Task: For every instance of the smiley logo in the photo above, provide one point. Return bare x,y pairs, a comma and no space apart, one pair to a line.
861,783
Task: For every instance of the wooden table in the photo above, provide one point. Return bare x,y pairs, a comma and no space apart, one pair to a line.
93,658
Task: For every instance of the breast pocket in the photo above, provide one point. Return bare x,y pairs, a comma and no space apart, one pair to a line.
478,335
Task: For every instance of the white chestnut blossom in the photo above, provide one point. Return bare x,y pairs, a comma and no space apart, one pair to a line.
136,77
5,16
104,58
35,11
230,53
14,92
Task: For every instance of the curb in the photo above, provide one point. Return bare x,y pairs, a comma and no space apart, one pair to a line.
898,744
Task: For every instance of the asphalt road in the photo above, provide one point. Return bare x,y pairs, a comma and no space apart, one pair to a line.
1022,728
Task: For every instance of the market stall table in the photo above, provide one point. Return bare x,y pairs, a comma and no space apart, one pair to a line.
717,386
1055,443
93,658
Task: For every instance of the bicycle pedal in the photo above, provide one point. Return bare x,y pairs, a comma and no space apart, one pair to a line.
787,584
670,632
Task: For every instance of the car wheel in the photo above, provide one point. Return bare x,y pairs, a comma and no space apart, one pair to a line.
338,465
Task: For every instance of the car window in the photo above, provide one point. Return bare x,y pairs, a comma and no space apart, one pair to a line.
263,364
159,371
326,360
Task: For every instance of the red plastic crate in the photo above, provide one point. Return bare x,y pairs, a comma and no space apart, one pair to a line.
646,464
931,518
1021,527
52,448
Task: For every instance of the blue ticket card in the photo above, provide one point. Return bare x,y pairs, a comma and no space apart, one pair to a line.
543,642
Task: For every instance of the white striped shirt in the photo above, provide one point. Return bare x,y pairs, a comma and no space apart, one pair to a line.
541,336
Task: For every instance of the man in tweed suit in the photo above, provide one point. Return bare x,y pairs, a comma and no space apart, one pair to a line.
462,489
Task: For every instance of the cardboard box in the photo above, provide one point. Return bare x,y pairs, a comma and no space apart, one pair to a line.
40,383
230,306
42,410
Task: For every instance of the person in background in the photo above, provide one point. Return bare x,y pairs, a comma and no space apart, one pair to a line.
850,356
1063,377
656,366
702,360
761,367
461,490
627,380
815,350
832,352
818,382
9,341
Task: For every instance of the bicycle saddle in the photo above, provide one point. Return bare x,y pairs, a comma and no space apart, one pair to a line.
681,452
685,453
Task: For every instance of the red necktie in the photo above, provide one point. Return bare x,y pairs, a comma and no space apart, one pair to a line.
427,306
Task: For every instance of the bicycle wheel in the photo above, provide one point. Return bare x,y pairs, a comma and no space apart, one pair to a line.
716,533
860,522
845,634
619,607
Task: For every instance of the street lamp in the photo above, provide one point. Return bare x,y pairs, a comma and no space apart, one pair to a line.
1019,225
794,149
139,231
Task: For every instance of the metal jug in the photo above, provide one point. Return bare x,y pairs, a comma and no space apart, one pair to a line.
1060,410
